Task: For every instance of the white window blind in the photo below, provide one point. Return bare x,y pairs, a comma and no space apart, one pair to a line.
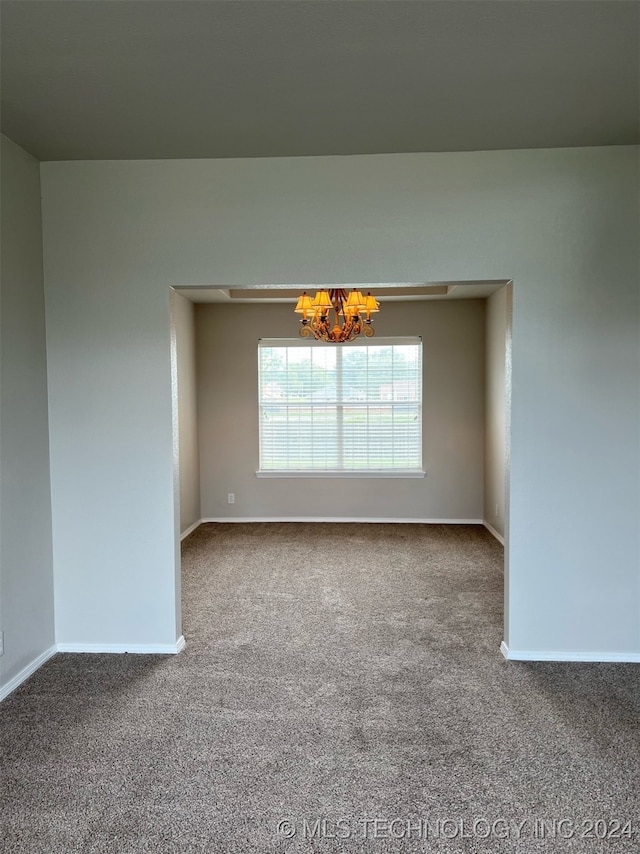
340,408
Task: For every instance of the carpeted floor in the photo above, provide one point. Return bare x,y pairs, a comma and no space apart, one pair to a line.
341,691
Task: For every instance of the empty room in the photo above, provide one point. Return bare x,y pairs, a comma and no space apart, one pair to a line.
320,434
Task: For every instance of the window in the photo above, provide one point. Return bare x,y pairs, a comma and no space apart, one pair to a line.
345,409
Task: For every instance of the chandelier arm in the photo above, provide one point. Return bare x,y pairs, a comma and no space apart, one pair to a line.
351,308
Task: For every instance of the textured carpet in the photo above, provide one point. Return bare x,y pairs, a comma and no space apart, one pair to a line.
345,679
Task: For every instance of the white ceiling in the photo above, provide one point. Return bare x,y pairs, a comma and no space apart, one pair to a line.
92,79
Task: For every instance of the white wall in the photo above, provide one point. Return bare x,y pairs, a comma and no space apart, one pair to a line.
26,568
183,316
453,419
562,223
495,409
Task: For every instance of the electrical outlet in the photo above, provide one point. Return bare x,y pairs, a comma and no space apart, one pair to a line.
231,498
1,643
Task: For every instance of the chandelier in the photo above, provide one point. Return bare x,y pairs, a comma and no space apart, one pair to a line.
352,315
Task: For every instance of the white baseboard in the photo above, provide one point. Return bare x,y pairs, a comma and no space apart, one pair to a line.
493,531
26,672
132,648
568,655
333,519
36,664
190,529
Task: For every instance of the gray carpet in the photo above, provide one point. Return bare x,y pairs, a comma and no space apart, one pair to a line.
334,675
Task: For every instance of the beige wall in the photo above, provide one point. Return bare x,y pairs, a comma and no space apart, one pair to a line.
453,426
183,316
26,564
495,409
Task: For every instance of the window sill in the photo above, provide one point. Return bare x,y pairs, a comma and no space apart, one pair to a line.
386,473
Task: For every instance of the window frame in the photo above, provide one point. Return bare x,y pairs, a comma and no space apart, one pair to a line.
417,472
